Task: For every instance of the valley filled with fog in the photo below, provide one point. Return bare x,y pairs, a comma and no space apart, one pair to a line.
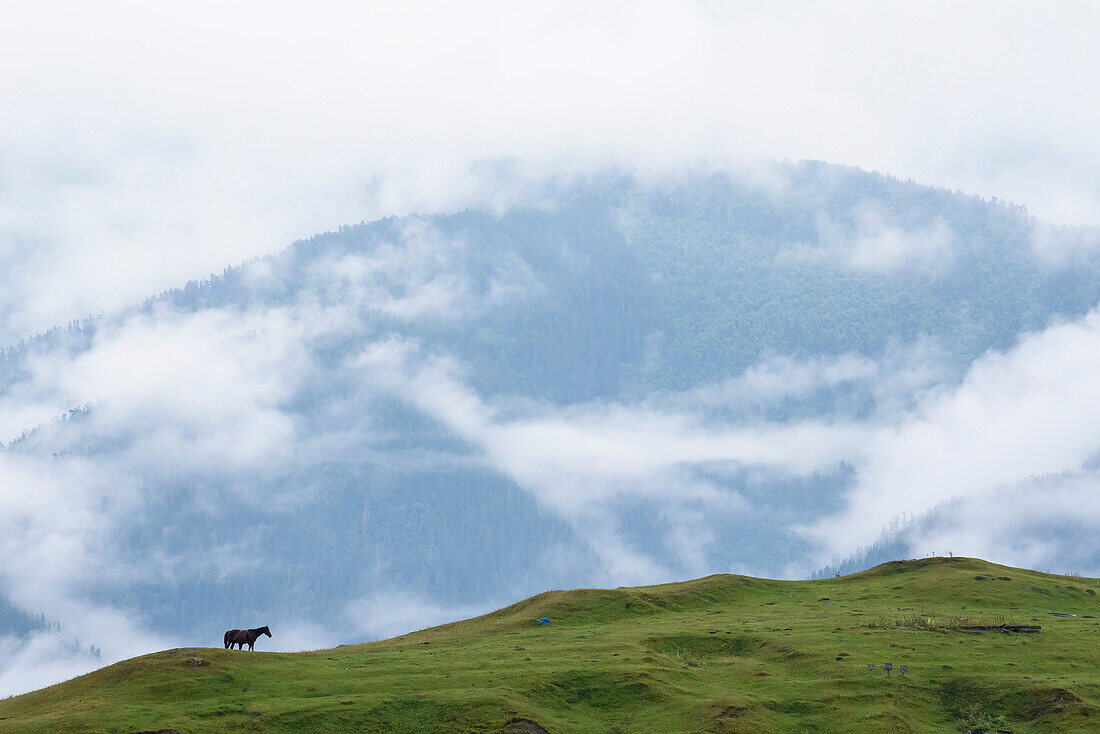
605,379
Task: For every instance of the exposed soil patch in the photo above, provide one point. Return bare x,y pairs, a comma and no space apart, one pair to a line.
520,725
743,719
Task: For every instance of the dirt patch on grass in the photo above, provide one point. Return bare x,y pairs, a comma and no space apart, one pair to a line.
746,718
520,725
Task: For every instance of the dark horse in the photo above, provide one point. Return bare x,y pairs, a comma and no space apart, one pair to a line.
240,638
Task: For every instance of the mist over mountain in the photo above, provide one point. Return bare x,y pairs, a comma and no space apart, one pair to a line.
611,380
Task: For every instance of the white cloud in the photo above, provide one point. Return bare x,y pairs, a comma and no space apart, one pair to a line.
1044,523
48,656
54,518
893,382
879,247
177,388
392,612
601,440
1017,414
579,460
420,274
874,244
1025,412
1059,245
776,378
172,395
40,660
146,144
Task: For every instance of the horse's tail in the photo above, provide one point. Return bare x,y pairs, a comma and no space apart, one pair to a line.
225,640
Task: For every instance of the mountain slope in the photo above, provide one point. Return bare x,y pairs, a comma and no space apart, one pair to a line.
718,654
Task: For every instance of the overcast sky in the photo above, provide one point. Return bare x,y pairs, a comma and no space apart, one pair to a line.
142,144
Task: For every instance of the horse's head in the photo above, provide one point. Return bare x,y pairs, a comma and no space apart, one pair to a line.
265,631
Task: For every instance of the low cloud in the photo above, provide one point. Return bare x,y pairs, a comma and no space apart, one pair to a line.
42,659
1046,523
97,423
175,388
1060,245
1016,414
90,636
1022,413
873,243
420,274
217,393
578,461
884,387
385,614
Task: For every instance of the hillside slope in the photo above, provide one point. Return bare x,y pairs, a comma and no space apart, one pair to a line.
718,654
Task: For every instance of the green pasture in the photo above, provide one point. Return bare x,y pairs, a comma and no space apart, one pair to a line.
718,654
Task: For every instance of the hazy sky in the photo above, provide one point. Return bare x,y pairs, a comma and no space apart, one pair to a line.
143,144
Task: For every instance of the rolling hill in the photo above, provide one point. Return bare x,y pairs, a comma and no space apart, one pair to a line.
723,653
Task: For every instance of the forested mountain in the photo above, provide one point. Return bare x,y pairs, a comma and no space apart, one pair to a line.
610,381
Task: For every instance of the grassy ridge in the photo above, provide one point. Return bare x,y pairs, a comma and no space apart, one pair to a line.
718,654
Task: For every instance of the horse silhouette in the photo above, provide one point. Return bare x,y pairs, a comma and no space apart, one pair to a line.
240,638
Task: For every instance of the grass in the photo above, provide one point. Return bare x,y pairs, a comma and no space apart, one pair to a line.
718,654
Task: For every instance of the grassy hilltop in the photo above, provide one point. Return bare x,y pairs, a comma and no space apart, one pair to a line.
718,654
